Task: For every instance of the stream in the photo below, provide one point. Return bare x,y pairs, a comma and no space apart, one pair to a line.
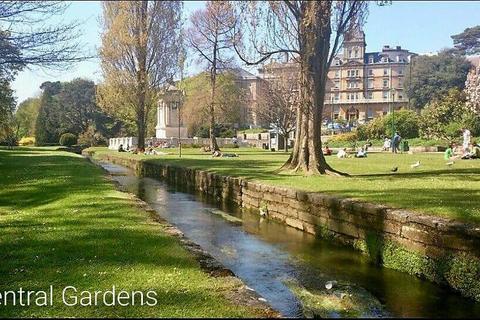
265,254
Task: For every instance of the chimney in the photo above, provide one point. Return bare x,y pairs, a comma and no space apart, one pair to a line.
386,47
399,48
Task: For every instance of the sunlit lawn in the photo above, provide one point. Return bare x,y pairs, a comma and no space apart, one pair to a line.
63,224
433,188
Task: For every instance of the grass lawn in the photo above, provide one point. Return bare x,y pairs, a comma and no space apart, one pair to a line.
63,224
432,188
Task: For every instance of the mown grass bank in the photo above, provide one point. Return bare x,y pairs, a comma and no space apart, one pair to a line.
63,224
432,188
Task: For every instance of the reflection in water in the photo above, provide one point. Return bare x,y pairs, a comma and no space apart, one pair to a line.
264,254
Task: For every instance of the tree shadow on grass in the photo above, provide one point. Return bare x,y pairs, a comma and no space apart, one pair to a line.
422,174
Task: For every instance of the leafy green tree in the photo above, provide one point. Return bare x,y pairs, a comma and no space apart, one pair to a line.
77,106
26,117
468,41
444,117
7,108
406,123
197,107
138,56
433,76
46,128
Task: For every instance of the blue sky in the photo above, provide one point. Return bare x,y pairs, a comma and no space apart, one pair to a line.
420,26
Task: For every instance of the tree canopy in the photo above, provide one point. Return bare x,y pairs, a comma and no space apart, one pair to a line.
434,76
228,100
468,41
139,54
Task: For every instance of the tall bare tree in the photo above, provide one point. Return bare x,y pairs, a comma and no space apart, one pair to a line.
139,55
277,102
209,35
312,33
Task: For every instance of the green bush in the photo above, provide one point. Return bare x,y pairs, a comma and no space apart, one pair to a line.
68,139
406,123
344,137
445,117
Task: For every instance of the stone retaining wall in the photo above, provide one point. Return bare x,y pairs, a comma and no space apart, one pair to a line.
438,249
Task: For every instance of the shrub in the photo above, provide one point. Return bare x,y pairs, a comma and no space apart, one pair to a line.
91,137
27,141
406,123
345,137
443,118
68,139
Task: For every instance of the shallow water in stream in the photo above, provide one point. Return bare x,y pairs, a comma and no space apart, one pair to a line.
264,254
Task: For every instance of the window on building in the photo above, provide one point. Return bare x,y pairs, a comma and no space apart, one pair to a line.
385,72
356,96
370,95
356,72
400,71
337,96
370,72
385,95
350,53
370,83
385,83
370,59
337,73
400,95
337,84
356,55
369,113
400,83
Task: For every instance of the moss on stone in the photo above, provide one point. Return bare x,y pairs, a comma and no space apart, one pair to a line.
343,300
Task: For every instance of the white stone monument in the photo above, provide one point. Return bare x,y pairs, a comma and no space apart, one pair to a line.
169,124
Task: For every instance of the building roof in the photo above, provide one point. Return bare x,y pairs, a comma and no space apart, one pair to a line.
241,73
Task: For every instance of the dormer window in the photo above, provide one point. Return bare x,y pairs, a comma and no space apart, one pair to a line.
370,59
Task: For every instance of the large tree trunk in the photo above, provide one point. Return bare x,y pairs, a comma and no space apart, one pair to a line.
213,140
142,75
307,155
213,82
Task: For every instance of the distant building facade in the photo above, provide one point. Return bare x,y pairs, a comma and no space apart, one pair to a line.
361,85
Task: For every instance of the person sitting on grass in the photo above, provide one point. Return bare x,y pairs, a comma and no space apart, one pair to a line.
342,153
327,151
474,152
449,153
362,153
367,145
386,144
120,148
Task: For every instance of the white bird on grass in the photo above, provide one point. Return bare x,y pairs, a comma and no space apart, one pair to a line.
415,165
450,163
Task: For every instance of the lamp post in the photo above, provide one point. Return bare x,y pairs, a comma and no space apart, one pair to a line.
180,104
331,115
392,92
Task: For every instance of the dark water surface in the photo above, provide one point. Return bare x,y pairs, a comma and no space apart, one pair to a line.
265,253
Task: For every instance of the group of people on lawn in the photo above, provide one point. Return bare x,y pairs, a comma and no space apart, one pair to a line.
468,150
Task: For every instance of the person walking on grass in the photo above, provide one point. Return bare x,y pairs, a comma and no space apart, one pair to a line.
396,142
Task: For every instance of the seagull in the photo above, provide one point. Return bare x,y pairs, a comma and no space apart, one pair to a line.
416,165
450,163
394,169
